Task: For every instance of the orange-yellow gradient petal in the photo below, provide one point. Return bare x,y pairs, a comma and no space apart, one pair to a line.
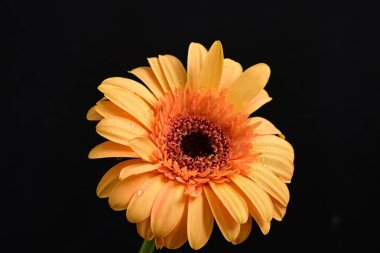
211,72
146,75
177,237
168,209
174,71
258,201
248,85
140,206
144,147
245,230
129,102
111,149
231,71
144,230
93,115
119,130
196,57
124,191
232,200
199,221
227,224
131,86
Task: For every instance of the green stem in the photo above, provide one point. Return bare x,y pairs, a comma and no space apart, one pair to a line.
147,246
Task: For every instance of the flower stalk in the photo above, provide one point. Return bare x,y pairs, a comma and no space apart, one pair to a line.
147,246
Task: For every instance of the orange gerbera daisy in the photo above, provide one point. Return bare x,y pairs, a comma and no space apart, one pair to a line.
197,156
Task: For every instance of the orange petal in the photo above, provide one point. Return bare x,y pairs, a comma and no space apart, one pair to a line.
108,110
279,164
119,130
140,206
231,71
278,210
177,237
259,204
248,85
93,115
138,168
146,75
111,149
174,71
167,209
271,184
263,126
159,73
159,243
125,189
129,102
245,230
211,72
131,86
227,225
274,144
199,221
144,147
144,230
261,99
111,178
232,200
195,58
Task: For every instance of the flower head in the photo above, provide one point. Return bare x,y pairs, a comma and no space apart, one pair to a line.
195,154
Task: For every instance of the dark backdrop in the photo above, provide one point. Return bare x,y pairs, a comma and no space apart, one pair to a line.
324,82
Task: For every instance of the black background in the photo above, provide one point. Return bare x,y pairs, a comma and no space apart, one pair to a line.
325,83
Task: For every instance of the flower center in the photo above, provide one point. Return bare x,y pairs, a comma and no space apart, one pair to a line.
197,143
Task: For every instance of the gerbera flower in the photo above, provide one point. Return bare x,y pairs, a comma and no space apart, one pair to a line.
196,154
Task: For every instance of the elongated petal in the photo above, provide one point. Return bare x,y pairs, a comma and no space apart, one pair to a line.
144,147
226,223
119,130
263,126
199,221
245,230
144,230
271,184
139,168
259,204
159,243
174,71
159,73
167,209
111,178
278,210
146,75
274,144
93,115
111,149
232,200
212,69
261,99
231,71
177,237
109,110
248,85
125,189
279,164
131,86
196,56
141,204
129,102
